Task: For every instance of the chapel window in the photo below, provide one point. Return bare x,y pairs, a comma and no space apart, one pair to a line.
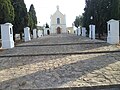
58,20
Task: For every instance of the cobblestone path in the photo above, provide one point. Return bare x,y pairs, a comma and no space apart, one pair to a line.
59,61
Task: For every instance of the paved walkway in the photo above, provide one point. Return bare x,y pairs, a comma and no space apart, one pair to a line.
59,61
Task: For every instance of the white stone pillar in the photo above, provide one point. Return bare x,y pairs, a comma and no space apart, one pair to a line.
113,32
40,33
27,34
76,31
7,36
46,31
72,29
79,31
92,31
34,33
84,31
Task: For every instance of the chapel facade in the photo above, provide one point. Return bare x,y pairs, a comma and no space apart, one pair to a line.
58,23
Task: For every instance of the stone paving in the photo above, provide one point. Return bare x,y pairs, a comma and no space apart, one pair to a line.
33,65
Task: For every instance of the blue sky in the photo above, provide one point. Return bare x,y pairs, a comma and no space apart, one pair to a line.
45,8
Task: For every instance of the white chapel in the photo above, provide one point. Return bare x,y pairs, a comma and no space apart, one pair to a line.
58,22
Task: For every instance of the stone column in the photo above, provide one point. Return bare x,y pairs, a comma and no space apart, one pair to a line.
92,31
40,33
76,31
84,31
46,31
27,34
79,31
7,36
34,33
113,32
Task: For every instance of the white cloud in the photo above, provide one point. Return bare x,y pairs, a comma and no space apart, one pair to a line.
44,8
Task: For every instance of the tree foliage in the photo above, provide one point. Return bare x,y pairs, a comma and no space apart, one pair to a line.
78,21
102,11
21,17
32,17
6,11
46,25
15,12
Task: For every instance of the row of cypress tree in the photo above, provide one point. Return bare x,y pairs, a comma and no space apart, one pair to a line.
101,11
15,12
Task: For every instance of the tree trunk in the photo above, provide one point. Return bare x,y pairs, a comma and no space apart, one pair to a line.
14,37
13,34
21,35
99,33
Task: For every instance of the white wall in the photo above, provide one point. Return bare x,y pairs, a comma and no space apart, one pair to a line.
58,14
54,24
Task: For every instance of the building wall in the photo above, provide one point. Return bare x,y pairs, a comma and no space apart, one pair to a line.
70,30
54,28
58,14
54,24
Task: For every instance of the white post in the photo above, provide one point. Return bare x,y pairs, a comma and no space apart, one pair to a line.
7,36
73,28
92,31
79,31
27,34
84,31
34,33
76,31
113,32
40,34
46,31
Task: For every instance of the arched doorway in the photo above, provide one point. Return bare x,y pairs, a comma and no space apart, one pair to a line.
58,30
48,32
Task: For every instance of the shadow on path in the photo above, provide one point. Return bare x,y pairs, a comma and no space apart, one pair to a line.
59,76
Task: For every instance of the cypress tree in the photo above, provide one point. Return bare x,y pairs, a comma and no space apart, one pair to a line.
32,17
6,12
102,11
21,16
78,21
